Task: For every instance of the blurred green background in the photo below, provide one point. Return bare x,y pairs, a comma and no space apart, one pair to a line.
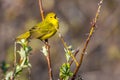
102,61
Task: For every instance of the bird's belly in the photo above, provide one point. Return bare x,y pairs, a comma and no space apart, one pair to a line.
50,34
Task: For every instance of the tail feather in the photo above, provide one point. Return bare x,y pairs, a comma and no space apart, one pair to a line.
25,36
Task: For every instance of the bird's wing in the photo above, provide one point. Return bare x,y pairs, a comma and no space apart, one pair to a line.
39,30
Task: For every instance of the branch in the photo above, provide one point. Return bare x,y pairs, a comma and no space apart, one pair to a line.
74,56
66,47
93,25
49,61
14,54
13,76
46,45
41,9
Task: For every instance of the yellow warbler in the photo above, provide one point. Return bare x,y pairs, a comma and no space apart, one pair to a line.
43,30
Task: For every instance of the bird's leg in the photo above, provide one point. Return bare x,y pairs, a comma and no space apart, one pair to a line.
45,41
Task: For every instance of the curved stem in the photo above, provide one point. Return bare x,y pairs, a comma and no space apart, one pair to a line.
41,9
93,25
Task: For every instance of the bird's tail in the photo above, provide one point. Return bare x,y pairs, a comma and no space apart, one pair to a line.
25,36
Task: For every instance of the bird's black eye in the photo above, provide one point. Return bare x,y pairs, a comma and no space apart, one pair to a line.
50,17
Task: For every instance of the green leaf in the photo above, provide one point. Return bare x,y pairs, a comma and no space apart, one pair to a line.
65,72
68,52
4,66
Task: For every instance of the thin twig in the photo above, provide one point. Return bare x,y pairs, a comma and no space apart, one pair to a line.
13,75
93,25
15,54
66,47
41,9
29,71
74,56
49,61
46,44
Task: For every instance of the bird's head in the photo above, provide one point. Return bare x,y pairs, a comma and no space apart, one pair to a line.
52,18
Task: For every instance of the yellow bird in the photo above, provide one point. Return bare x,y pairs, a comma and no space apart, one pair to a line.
43,30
